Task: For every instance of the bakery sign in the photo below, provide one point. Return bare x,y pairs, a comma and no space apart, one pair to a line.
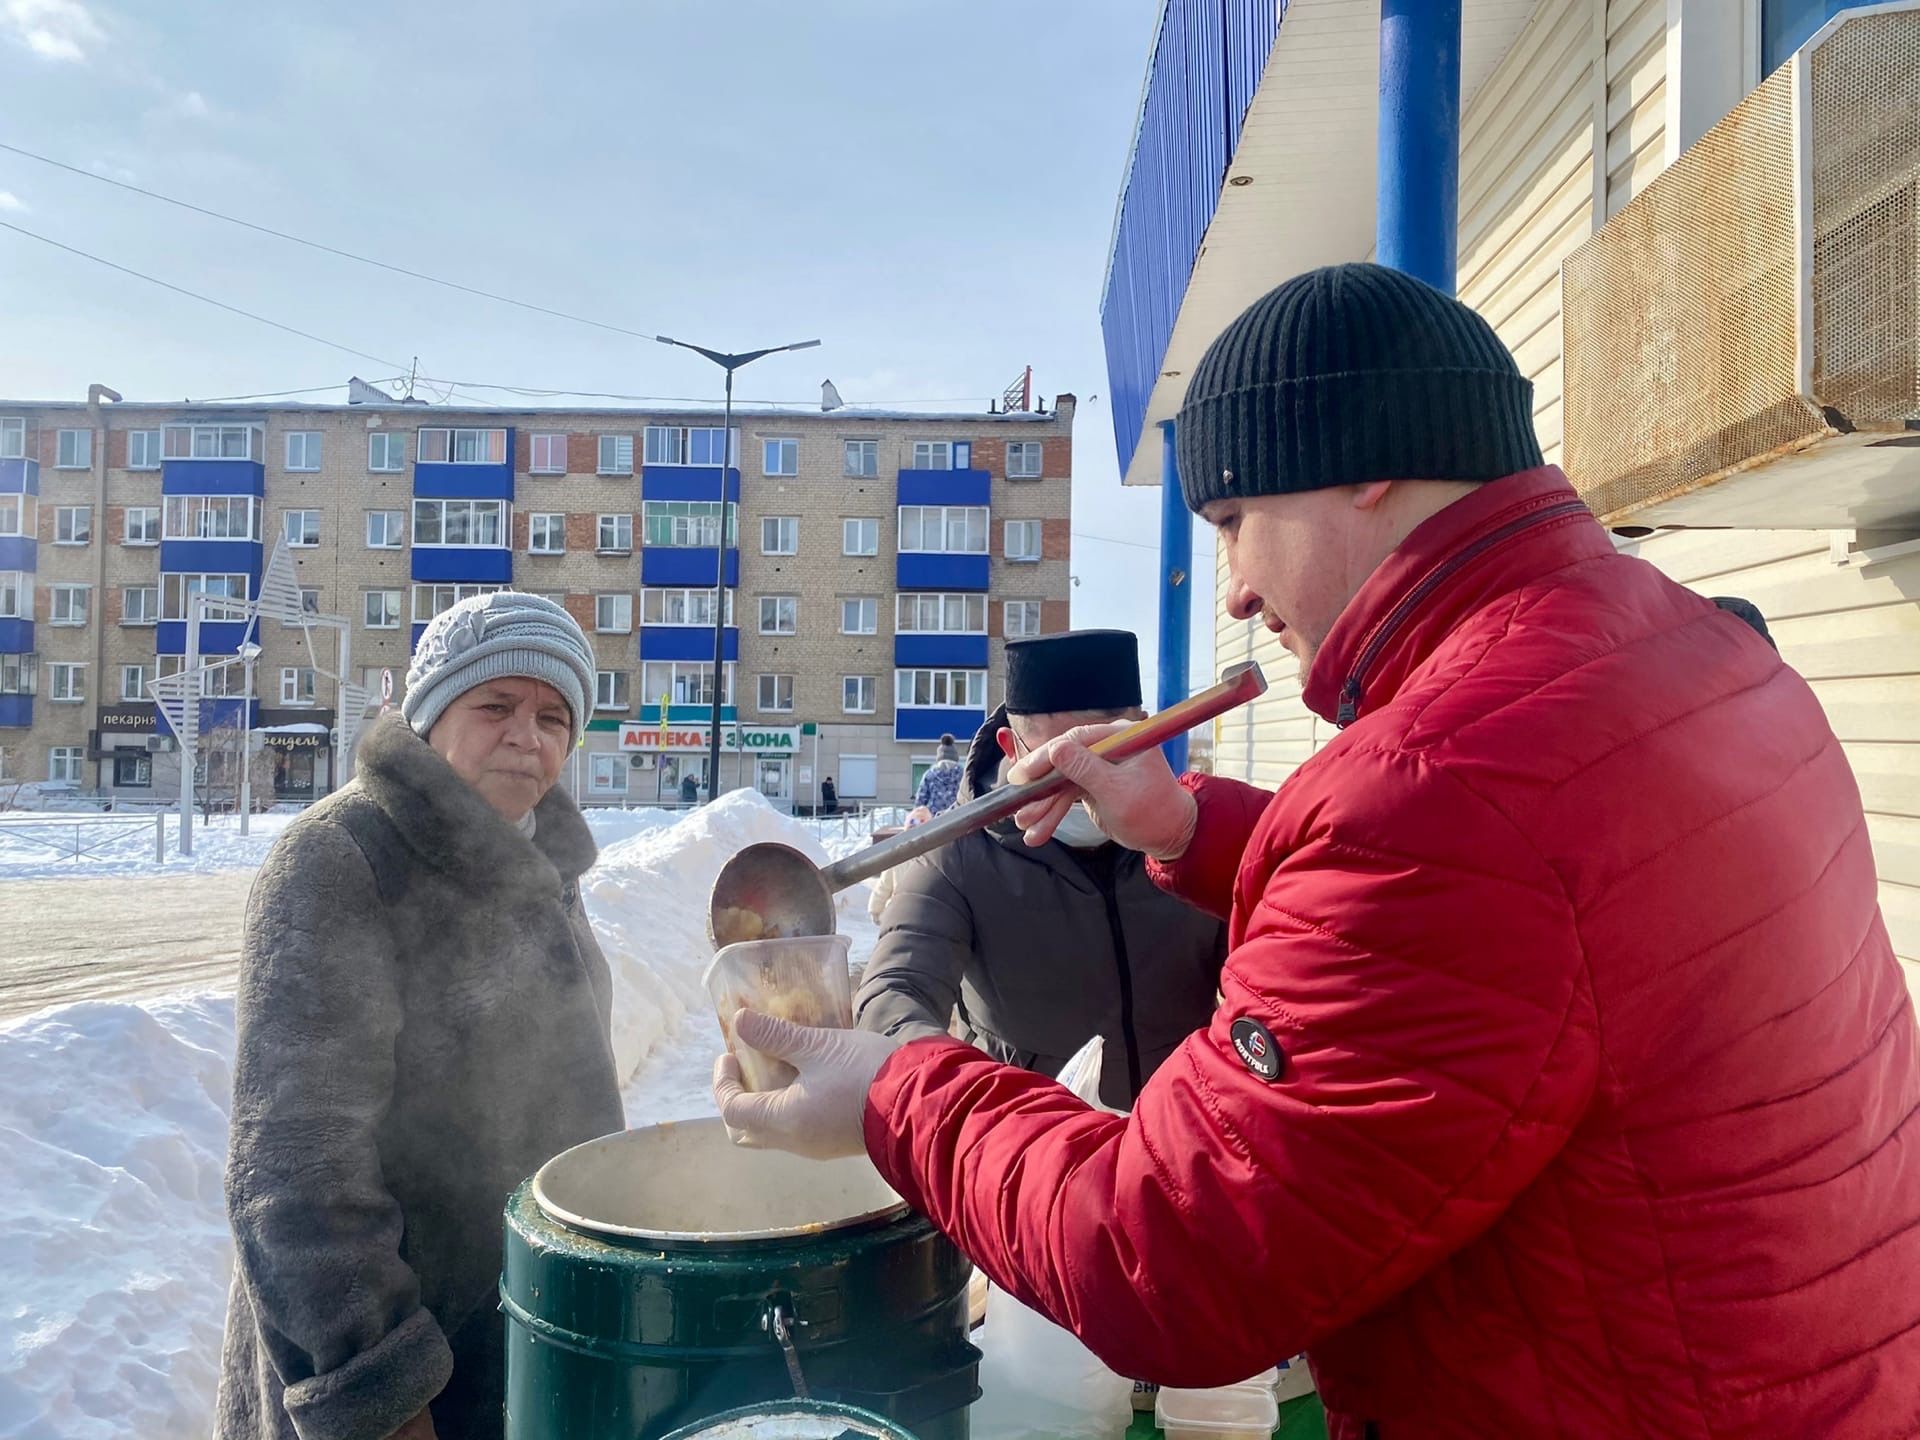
754,739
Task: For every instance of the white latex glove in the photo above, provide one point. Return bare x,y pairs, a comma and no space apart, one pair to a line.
1136,802
820,1114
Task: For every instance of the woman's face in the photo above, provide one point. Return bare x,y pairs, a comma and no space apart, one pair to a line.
507,739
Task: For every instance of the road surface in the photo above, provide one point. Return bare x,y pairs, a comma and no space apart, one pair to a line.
117,938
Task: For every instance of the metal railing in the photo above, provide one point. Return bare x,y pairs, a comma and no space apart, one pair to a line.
81,834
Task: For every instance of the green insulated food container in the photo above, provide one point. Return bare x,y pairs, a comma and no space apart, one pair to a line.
663,1276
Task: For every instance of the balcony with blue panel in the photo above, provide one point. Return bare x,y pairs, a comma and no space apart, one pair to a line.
676,565
19,477
940,652
945,487
16,712
686,482
463,564
929,570
16,636
19,552
688,714
687,642
214,557
917,723
217,637
465,480
213,477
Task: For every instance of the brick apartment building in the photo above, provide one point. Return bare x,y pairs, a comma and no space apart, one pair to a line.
875,565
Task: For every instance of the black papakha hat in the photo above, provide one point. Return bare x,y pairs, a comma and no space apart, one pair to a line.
1348,374
1081,670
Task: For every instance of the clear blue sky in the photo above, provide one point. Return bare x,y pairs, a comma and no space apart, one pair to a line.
927,188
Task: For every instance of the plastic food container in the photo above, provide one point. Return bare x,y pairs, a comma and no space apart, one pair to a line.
804,980
1231,1412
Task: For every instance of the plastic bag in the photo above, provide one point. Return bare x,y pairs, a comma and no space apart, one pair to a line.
1081,1074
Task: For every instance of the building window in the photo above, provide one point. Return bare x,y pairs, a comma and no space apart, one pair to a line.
607,774
302,528
547,534
383,609
459,522
303,450
703,446
132,768
16,595
613,614
943,529
133,681
779,614
143,525
63,764
689,524
933,455
780,535
679,445
13,438
140,605
1023,619
143,449
72,524
69,605
211,517
1023,460
859,537
430,600
19,514
940,689
17,674
780,457
857,693
224,682
616,535
1023,540
66,684
386,529
666,445
863,457
616,454
463,447
176,589
680,607
940,614
213,442
297,685
685,682
610,689
386,451
75,451
549,455
776,692
860,616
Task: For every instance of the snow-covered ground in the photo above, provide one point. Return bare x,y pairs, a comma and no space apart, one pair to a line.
113,1128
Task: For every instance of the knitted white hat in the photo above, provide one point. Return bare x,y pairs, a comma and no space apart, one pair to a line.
487,637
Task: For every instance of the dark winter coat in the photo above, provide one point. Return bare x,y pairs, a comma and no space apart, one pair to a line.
1041,949
423,1021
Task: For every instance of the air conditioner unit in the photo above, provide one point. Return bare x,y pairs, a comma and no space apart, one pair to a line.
1742,341
642,760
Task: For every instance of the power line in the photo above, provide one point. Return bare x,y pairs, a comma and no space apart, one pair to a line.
323,247
1110,540
282,394
196,295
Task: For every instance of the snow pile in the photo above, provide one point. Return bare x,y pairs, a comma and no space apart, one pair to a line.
40,847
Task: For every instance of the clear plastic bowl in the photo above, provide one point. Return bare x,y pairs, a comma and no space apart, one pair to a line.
1230,1412
804,980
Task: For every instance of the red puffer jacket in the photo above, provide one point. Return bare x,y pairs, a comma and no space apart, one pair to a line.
1597,1098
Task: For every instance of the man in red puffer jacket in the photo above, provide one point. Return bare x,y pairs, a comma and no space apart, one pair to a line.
1565,1082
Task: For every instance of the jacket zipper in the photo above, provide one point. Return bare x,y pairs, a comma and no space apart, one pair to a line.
1354,690
1110,889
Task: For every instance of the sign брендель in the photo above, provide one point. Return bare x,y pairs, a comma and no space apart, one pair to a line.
755,739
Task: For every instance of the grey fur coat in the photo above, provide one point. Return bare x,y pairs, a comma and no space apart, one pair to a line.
423,1020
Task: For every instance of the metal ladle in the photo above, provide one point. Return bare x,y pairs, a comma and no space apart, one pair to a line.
773,891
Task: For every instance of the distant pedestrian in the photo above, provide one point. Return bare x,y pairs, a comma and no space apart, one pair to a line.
940,786
829,797
690,790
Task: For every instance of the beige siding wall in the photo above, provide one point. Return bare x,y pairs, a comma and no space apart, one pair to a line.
1636,118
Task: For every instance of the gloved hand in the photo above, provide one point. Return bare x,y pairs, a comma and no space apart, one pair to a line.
820,1114
1136,802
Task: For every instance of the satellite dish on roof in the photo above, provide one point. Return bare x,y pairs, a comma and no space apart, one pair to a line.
829,396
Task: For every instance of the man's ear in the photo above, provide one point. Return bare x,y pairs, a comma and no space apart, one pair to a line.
1005,737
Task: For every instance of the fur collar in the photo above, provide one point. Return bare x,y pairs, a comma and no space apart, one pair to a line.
444,819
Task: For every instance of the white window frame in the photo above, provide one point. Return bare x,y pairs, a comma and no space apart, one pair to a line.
919,547
432,590
773,706
390,601
17,585
442,509
664,445
659,598
290,518
148,518
73,450
387,452
784,606
190,517
393,527
941,679
75,674
140,675
549,441
143,449
473,438
65,764
13,438
68,604
309,606
869,614
150,607
780,455
19,674
617,545
613,613
699,672
911,608
73,524
543,529
604,768
138,761
932,455
689,518
612,696
19,515
294,679
182,586
186,441
1024,557
616,455
780,535
1032,460
851,540
309,445
1028,609
862,449
867,686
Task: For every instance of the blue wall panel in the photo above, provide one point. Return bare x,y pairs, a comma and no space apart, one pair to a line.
212,557
19,552
685,482
930,725
967,652
687,642
19,477
943,572
435,480
1786,25
16,636
670,565
946,487
463,564
217,637
212,477
16,710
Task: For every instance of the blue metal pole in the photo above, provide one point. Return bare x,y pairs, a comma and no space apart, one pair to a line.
1419,175
1176,593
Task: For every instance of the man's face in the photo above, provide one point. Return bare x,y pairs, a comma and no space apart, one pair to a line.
507,739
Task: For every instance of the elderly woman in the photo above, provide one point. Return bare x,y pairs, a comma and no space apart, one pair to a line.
423,1020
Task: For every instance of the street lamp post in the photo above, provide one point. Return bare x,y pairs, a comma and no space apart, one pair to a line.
728,363
249,652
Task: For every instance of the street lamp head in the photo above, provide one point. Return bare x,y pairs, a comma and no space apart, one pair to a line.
249,652
666,340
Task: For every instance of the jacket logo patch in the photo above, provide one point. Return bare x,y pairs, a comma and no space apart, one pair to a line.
1257,1048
